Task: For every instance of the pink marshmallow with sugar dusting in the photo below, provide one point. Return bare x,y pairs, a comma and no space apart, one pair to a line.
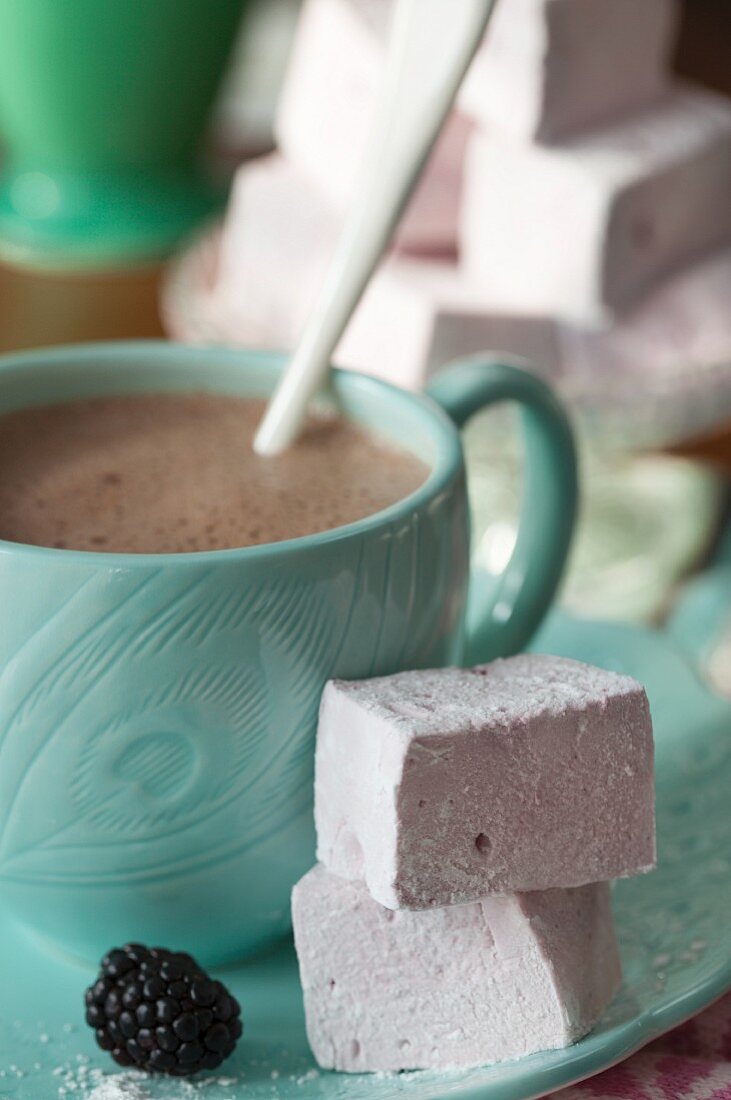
456,987
551,67
417,315
678,330
277,242
441,787
662,372
326,109
586,226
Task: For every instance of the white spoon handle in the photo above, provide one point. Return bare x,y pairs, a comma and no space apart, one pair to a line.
432,43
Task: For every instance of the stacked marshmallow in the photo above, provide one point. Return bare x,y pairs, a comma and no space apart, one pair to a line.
468,823
575,189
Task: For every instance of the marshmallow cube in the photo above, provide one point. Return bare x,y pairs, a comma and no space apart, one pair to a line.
277,242
417,316
586,226
441,787
327,106
662,372
457,987
548,68
259,284
681,329
276,246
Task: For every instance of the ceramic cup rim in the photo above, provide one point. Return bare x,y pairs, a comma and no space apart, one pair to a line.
444,466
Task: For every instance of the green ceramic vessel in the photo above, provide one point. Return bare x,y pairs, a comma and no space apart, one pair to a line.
103,105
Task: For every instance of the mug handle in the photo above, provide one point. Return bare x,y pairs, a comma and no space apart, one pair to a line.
503,612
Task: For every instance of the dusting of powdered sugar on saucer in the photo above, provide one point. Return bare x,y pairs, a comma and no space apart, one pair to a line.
84,1082
120,1086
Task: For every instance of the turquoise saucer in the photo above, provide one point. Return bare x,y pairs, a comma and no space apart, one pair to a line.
700,623
673,926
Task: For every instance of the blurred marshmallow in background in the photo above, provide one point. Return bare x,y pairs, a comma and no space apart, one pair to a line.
575,213
582,229
325,110
549,69
244,116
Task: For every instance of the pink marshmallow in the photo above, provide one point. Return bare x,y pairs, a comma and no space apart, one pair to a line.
441,787
680,328
273,253
457,987
255,282
417,316
326,109
662,372
585,226
551,67
276,245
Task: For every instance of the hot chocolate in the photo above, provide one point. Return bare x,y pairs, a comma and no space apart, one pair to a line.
162,473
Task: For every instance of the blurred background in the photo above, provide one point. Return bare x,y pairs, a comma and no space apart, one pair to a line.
167,172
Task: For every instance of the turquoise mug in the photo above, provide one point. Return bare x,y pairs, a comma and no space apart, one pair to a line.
158,712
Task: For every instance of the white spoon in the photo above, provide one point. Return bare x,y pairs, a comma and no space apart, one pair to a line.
432,43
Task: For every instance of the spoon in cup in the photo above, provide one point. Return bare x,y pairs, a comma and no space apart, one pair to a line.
431,46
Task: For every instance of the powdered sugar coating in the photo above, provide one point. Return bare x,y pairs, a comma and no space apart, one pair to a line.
549,68
613,192
324,115
454,987
443,786
518,689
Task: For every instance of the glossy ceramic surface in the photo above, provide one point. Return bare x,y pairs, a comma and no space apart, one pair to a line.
673,927
103,110
701,625
159,711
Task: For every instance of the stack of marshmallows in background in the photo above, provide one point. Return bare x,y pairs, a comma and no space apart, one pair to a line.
575,210
468,823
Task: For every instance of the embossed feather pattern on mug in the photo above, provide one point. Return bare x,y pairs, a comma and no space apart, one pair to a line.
158,775
170,724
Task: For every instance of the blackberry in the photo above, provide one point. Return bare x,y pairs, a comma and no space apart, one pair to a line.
158,1011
